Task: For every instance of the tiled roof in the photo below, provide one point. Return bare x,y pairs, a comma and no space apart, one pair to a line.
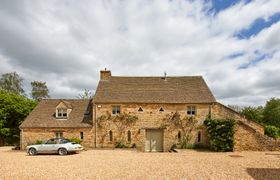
43,115
185,89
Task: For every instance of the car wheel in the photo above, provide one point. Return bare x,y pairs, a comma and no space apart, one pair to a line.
32,151
62,151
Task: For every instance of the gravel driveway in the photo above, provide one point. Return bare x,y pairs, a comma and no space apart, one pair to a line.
127,164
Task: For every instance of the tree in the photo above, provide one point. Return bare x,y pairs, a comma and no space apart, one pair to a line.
87,94
271,112
13,109
39,90
11,82
253,113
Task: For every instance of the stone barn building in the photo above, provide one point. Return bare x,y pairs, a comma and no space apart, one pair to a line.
141,112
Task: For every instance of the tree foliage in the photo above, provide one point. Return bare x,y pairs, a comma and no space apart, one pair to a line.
11,82
272,131
87,94
271,112
253,113
39,90
13,109
220,134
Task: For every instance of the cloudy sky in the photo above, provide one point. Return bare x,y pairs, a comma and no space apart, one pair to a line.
235,45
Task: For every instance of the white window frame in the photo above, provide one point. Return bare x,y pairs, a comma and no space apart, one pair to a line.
116,109
61,112
191,110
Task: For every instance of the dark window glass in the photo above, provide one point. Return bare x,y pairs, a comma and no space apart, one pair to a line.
191,110
116,109
140,109
111,136
58,134
179,135
82,135
128,136
161,109
61,113
199,136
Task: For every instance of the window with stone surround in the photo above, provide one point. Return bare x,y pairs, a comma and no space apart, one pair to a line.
191,110
111,136
161,110
116,109
81,135
140,109
199,136
58,134
129,136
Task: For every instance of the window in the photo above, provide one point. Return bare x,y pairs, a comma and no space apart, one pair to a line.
179,135
140,109
198,136
111,136
58,134
82,135
61,113
116,109
191,110
161,110
51,141
129,136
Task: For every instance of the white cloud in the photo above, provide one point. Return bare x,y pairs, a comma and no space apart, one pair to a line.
66,44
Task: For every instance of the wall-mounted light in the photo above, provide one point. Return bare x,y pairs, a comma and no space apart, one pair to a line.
99,106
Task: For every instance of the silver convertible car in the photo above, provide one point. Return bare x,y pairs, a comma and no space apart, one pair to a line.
56,145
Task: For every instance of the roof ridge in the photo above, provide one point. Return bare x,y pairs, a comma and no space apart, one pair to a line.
157,76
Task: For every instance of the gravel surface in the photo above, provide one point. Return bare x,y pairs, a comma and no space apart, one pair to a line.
128,164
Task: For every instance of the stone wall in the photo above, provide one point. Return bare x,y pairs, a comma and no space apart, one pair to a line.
246,138
150,118
249,135
31,135
221,111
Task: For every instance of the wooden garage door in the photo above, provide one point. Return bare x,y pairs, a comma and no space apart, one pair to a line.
154,140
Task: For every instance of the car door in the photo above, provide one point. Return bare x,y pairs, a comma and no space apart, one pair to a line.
49,146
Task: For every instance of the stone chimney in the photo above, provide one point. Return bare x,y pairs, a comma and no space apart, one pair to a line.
105,74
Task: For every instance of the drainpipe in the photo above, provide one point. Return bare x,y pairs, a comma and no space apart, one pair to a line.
95,119
21,138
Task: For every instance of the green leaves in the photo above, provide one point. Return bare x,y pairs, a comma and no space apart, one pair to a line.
13,109
39,90
272,131
220,133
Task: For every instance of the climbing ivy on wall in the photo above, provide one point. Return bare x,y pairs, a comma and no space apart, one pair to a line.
220,134
121,122
185,124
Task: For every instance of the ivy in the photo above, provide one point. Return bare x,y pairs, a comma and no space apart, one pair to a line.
121,122
185,124
220,134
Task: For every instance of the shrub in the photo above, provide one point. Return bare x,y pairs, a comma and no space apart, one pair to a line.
220,134
120,144
39,142
272,131
185,142
75,139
